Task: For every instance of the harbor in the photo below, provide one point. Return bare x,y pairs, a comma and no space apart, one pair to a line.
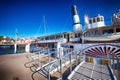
70,42
9,49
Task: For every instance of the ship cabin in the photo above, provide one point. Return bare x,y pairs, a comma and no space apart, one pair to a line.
96,31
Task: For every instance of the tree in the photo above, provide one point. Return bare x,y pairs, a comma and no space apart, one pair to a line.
1,38
12,39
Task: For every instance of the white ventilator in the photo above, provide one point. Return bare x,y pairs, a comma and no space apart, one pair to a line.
86,18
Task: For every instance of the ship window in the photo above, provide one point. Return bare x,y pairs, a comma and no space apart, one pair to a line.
76,35
87,33
97,33
39,38
101,19
61,35
118,30
58,36
90,21
72,36
98,19
42,38
119,16
111,31
94,20
105,32
65,35
51,37
46,38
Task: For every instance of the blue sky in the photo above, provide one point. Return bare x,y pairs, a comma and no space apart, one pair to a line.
27,15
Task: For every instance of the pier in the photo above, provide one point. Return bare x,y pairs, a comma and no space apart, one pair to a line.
68,64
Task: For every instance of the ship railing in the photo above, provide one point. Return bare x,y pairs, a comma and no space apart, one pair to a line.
48,69
53,40
38,56
115,66
36,49
45,51
69,58
67,50
104,37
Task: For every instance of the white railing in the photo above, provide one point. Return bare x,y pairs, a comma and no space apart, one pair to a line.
58,64
74,39
109,37
55,40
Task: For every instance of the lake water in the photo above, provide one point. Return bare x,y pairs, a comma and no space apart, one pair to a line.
9,49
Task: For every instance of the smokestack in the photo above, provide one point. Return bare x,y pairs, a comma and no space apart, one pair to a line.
76,21
74,10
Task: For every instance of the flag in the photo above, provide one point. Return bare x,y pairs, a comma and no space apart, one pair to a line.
86,18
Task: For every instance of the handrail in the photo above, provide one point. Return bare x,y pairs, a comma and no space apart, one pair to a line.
38,69
51,64
75,53
60,59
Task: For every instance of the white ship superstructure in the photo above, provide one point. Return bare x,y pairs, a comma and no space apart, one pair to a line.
96,31
95,22
93,51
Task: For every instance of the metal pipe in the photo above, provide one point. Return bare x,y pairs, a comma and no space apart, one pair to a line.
70,63
60,68
76,59
49,66
39,59
83,36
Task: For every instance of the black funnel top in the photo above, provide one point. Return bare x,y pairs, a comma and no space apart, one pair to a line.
74,10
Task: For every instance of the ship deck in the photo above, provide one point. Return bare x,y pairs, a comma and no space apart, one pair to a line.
91,71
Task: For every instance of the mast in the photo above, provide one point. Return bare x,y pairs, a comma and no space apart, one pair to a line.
44,25
44,28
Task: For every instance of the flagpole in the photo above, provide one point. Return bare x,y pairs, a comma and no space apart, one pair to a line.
15,45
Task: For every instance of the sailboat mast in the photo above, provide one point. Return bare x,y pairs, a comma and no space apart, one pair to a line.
44,24
44,27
